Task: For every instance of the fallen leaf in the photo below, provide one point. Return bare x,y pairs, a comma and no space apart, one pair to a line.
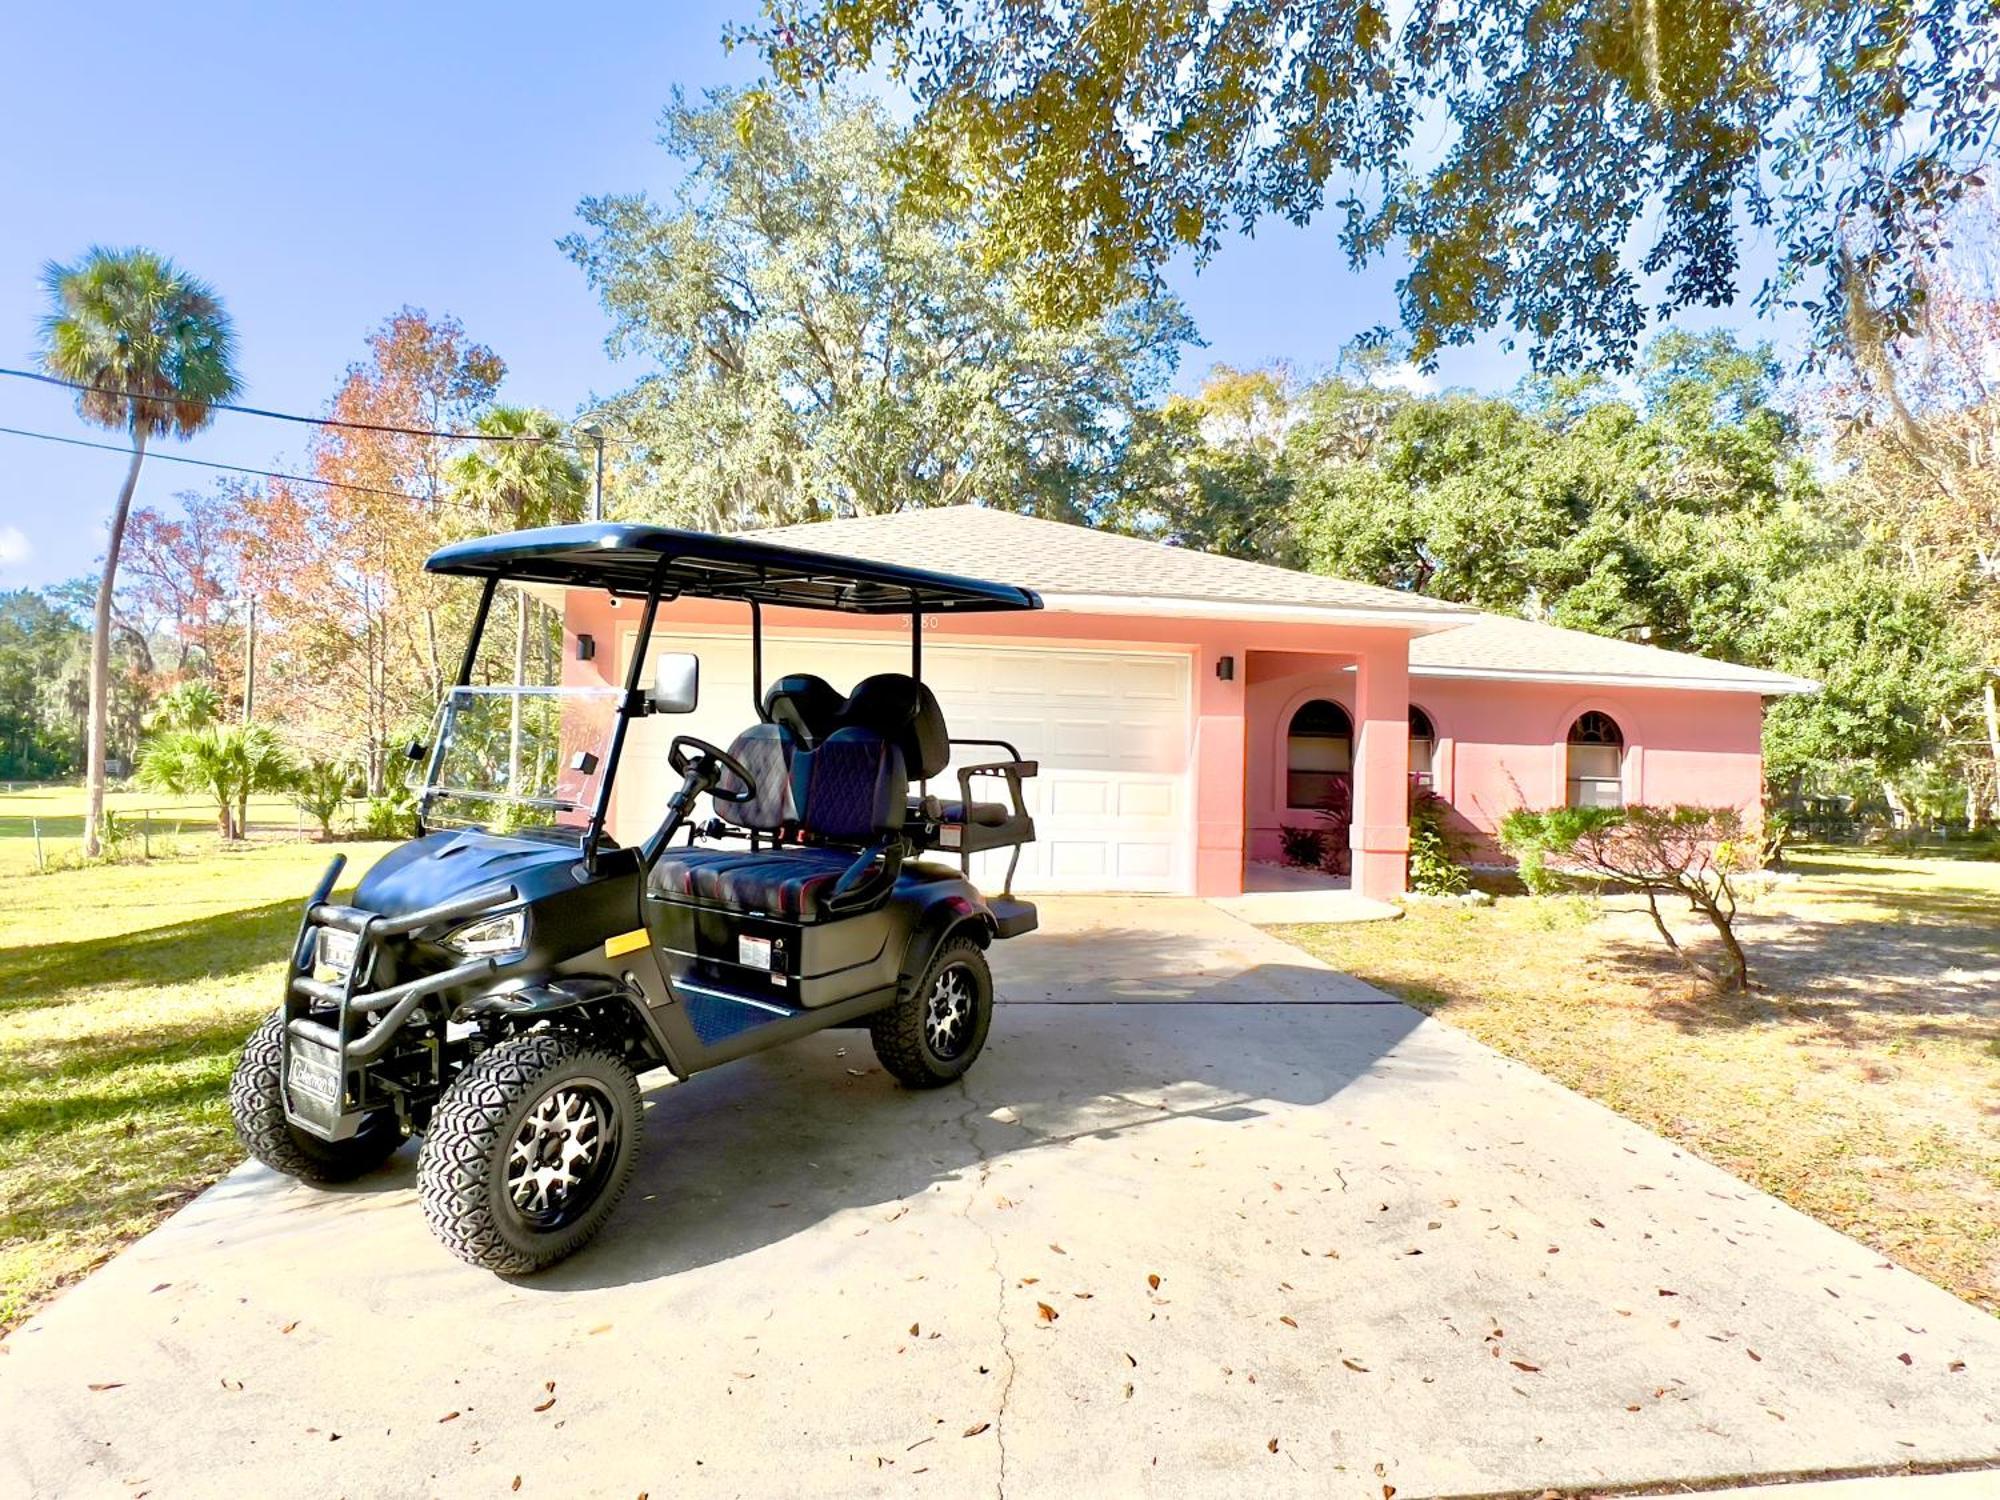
1128,1390
1057,1248
1049,1314
1272,1445
1665,1293
289,1326
1153,1282
163,1286
1388,1492
1288,1320
548,1385
1083,1296
1005,1116
1905,1359
1596,1223
1135,1363
546,1404
106,1385
1755,1355
1955,1366
1522,1364
1029,1280
516,1484
450,1416
600,1328
1633,1407
1358,1369
977,1428
913,1330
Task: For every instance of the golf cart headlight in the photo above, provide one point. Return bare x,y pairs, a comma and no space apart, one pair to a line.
336,950
502,933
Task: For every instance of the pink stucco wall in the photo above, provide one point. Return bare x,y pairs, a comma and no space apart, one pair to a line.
1681,746
1503,744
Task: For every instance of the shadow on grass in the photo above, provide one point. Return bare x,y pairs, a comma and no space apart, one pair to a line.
41,1112
1860,980
212,947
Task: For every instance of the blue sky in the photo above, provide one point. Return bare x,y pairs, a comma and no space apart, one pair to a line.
325,166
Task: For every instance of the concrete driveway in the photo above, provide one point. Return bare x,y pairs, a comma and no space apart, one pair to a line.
1209,1219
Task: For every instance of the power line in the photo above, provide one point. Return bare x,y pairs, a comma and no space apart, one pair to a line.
286,416
203,463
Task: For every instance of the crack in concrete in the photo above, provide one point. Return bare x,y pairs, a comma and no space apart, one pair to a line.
967,1123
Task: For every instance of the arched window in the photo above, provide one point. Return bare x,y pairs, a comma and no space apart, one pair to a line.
1319,753
1596,757
1423,746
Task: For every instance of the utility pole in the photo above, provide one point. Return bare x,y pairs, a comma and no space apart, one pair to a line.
594,430
250,660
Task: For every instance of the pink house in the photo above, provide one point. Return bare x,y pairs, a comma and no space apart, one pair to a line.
1186,708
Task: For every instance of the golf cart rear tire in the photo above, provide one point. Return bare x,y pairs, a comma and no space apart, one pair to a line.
901,1033
257,1105
462,1170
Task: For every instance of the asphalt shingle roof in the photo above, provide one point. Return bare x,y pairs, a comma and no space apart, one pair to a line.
1059,560
1496,646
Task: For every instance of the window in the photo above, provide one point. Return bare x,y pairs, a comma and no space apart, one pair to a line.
1596,756
1423,747
1319,753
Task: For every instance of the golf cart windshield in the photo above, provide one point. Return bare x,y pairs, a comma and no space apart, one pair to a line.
520,759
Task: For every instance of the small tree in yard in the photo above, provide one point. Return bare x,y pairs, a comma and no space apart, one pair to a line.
1690,852
226,763
322,788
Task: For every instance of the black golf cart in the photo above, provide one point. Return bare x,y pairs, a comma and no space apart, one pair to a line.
500,979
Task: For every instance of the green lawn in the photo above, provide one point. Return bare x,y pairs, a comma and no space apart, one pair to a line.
125,992
1860,1083
170,822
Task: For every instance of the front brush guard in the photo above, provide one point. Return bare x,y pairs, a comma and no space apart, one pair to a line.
351,1039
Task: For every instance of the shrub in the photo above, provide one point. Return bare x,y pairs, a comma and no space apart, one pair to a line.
323,787
1437,850
1303,847
393,815
1686,851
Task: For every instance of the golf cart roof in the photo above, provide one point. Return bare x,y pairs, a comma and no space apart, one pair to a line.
634,560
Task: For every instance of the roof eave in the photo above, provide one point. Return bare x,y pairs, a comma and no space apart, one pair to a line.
1775,685
1417,621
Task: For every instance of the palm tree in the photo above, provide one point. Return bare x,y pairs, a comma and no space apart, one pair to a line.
223,762
528,476
153,351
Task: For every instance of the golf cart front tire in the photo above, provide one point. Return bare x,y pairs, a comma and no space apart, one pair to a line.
257,1106
530,1106
938,1026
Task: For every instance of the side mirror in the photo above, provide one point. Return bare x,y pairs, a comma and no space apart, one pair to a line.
676,683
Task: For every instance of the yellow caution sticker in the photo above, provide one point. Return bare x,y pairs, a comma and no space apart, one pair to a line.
626,942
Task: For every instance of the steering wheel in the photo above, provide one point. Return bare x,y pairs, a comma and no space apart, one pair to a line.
685,764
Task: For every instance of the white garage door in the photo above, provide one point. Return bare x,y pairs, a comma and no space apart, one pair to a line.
1111,731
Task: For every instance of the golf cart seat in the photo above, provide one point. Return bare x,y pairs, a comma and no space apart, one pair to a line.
905,712
806,707
850,794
